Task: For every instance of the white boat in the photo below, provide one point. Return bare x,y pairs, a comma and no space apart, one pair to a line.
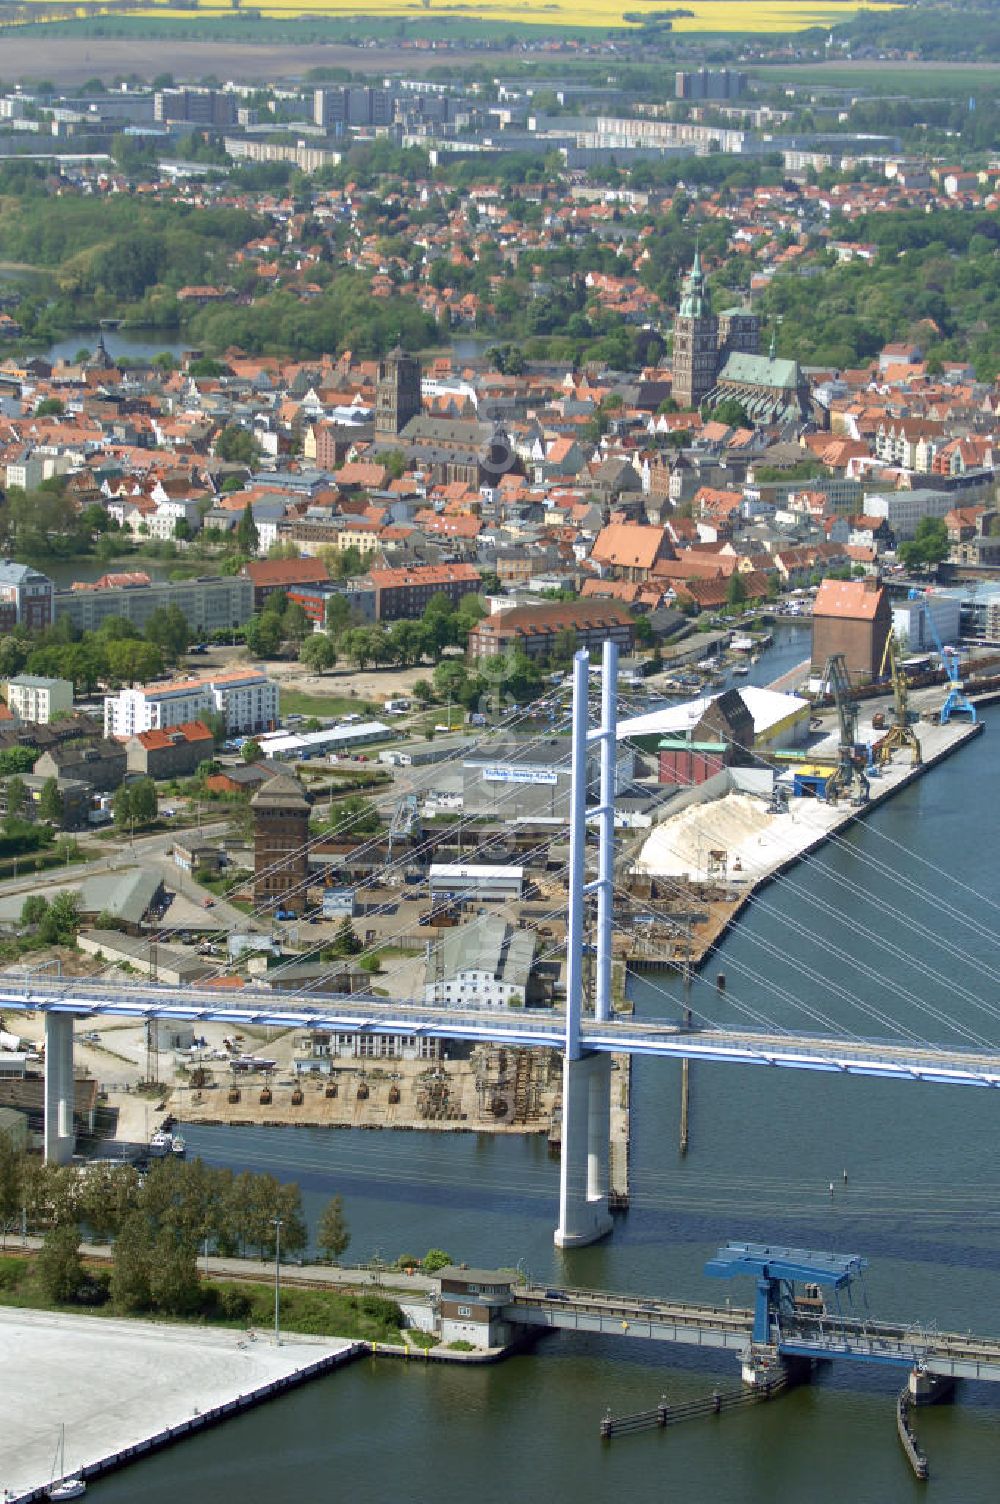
740,643
741,668
160,1144
62,1487
178,1145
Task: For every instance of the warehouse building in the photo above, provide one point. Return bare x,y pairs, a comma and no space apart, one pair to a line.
852,617
483,965
461,882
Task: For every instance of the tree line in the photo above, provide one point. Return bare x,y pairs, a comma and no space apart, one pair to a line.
158,1224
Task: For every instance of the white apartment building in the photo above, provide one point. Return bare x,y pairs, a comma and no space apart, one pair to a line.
246,697
904,509
909,622
37,699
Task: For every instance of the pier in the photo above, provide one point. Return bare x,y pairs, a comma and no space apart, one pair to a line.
127,1388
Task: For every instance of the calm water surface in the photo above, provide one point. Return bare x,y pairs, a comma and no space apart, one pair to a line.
922,1201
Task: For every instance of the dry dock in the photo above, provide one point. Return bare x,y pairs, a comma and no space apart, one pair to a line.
157,1384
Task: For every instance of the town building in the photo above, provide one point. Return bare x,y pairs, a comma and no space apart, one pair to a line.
281,844
534,630
630,550
471,1305
397,395
209,604
101,764
25,597
38,699
696,340
171,753
246,697
912,629
852,617
270,575
404,593
902,510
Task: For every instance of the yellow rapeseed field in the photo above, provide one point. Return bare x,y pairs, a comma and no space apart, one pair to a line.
705,15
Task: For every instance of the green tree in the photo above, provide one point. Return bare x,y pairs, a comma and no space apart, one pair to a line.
338,615
50,802
237,445
423,690
346,941
563,648
174,1286
143,800
61,920
108,1196
295,624
731,412
16,795
318,653
121,807
247,535
251,750
58,1269
11,1163
435,1259
16,760
50,407
34,909
130,1273
928,546
736,590
263,634
130,661
167,628
332,1234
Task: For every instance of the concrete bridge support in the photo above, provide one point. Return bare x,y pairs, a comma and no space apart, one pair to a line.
60,1137
583,1177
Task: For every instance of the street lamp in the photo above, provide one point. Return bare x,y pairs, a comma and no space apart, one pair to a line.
276,1223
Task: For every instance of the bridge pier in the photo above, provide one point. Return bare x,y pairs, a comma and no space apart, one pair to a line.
583,1172
60,1094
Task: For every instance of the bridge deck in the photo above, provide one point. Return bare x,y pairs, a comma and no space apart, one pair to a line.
958,1355
951,1064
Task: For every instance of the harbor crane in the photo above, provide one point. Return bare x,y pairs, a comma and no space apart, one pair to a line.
901,732
956,700
836,682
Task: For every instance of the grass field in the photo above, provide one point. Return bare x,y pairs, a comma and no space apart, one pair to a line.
685,15
242,1303
294,702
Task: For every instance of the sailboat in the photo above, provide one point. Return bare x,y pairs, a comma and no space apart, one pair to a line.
64,1488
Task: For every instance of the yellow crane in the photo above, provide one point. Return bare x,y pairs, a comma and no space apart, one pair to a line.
900,733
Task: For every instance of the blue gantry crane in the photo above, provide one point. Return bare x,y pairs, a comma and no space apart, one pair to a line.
777,1272
956,701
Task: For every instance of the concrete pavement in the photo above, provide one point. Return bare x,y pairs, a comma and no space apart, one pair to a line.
116,1383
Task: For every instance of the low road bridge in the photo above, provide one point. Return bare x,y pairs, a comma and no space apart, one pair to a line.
785,1322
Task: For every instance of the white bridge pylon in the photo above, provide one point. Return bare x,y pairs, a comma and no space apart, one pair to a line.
586,1099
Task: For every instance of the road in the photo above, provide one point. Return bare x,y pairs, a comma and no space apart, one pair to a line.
118,856
349,1276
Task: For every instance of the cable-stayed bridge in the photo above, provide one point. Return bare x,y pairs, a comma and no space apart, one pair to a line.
587,1031
81,998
